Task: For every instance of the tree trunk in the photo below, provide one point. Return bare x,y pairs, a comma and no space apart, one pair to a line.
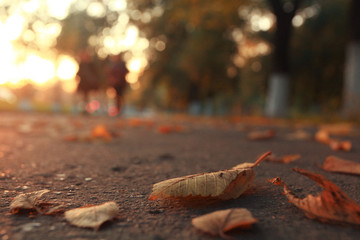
279,81
351,93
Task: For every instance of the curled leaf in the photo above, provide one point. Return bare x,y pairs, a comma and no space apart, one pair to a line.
92,217
331,205
335,164
224,185
27,201
219,222
283,159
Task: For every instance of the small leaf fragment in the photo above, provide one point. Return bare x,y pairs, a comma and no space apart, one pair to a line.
219,222
331,205
339,165
223,185
261,135
27,201
340,145
283,159
92,217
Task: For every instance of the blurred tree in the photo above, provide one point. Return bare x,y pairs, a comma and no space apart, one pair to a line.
191,51
351,95
318,48
278,90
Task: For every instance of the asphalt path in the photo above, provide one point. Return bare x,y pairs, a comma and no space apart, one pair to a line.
46,151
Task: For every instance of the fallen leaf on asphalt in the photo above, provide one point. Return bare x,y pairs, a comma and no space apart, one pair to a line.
92,217
322,136
261,135
299,135
219,222
166,129
283,159
340,145
337,128
223,185
27,201
331,205
101,132
339,165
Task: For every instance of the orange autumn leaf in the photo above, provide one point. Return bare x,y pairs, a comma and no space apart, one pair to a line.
283,159
101,132
340,145
335,164
323,136
219,222
261,135
331,205
166,129
337,128
223,185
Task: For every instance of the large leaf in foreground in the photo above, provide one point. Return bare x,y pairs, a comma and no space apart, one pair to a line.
219,222
331,205
92,217
226,184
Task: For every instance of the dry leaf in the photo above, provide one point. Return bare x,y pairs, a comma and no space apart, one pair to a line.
261,135
283,159
219,222
335,164
92,217
331,205
322,136
340,145
101,132
299,135
27,201
226,184
166,129
337,128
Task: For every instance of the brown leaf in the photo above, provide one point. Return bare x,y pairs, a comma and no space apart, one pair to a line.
166,129
283,159
219,222
27,201
340,145
337,128
335,164
322,136
226,184
299,135
101,132
261,135
331,205
92,217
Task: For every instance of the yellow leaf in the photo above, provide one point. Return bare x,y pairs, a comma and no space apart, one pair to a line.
226,184
92,217
219,222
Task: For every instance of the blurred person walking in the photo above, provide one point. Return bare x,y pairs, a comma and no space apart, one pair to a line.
117,79
88,77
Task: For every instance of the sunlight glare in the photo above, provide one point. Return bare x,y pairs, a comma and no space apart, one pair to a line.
67,68
130,36
14,26
38,69
59,9
31,6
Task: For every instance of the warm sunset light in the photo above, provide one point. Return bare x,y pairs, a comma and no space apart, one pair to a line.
67,68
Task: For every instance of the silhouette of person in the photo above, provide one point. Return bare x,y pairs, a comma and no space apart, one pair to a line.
88,76
117,78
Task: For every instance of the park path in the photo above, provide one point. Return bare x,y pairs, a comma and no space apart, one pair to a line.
58,152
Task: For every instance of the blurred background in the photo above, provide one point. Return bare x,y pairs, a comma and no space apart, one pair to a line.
278,58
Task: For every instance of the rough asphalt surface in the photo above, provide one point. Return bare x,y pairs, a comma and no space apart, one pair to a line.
35,156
